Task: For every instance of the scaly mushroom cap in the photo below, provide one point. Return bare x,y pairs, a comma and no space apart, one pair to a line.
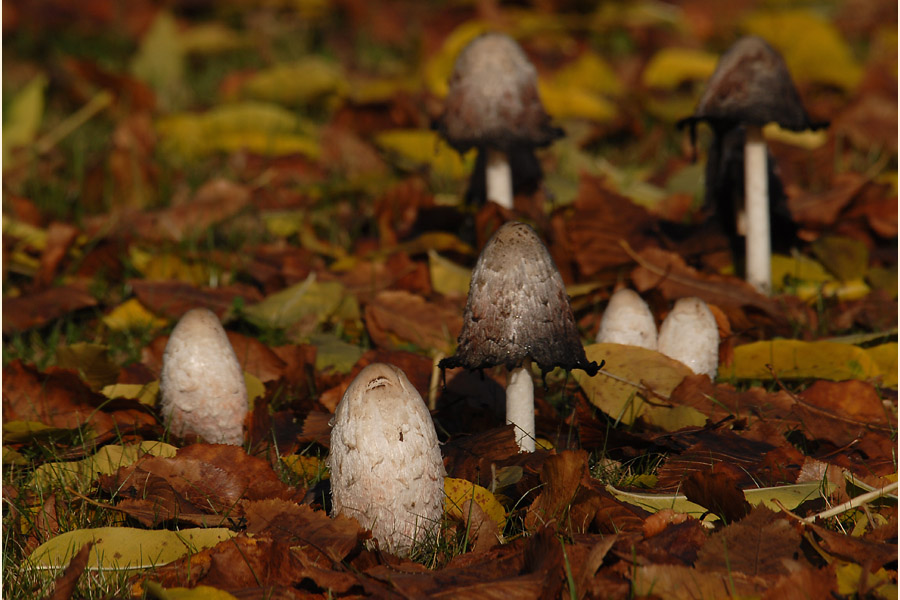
385,462
628,320
493,98
518,309
752,85
202,383
689,334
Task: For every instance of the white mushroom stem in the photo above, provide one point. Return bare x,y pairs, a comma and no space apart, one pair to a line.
499,178
756,202
520,405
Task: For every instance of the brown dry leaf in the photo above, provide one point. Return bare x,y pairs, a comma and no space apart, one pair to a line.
841,412
667,271
764,543
34,309
45,524
804,583
256,358
853,549
64,586
717,491
679,543
130,163
602,219
820,209
481,528
60,237
396,318
561,476
870,123
676,582
302,526
174,298
59,398
470,457
214,202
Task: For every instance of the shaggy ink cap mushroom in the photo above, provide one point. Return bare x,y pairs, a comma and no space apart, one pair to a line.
689,334
202,383
385,461
493,104
518,309
751,85
627,320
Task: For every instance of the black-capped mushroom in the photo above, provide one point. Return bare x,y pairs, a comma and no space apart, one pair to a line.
493,105
751,87
202,383
385,462
517,312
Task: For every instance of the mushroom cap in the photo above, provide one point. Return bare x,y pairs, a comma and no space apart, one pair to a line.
751,85
689,334
518,309
202,383
493,98
628,320
385,462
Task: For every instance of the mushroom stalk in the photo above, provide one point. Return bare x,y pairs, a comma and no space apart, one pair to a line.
756,205
520,405
498,176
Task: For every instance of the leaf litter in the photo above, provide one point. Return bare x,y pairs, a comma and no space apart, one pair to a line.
285,177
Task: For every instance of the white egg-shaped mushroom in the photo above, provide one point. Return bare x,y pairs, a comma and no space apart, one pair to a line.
628,320
202,384
385,462
689,334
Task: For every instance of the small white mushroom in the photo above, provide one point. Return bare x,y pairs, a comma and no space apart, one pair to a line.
628,320
385,462
202,383
689,334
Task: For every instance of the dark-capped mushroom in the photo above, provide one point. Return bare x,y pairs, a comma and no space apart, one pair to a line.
493,105
751,87
385,462
202,383
518,311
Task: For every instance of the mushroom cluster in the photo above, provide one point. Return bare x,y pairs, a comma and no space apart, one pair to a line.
750,87
202,383
385,462
517,312
493,105
689,333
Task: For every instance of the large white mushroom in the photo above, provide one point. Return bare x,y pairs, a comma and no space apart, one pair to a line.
202,383
689,334
385,462
517,312
627,320
750,88
493,105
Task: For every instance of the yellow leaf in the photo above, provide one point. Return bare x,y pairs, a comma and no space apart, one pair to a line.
130,315
447,277
385,89
794,359
308,467
590,72
333,353
255,388
808,140
885,356
439,241
797,268
812,47
12,457
22,118
28,235
309,301
619,390
211,38
106,461
670,67
309,80
200,592
18,432
257,127
160,61
415,148
571,101
122,548
457,491
145,394
168,267
850,576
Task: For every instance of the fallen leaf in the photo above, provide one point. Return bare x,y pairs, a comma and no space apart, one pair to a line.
458,491
396,318
795,359
36,309
64,586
